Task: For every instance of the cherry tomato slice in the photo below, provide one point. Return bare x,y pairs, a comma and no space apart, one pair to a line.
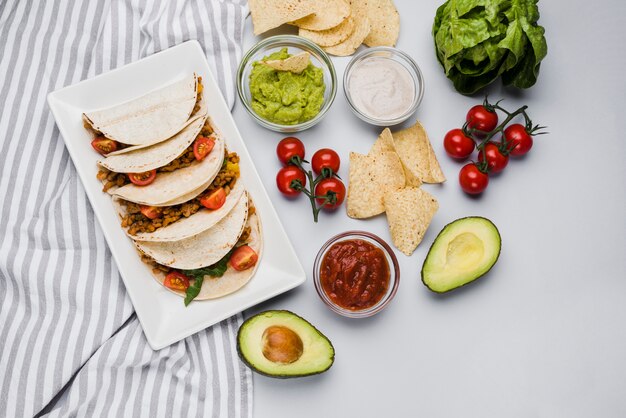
496,161
243,258
142,179
472,180
286,176
325,158
214,200
151,212
176,281
202,146
288,147
104,145
329,187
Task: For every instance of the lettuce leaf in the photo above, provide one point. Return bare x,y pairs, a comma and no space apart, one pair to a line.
477,41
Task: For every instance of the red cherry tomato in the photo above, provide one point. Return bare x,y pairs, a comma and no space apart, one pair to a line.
202,147
288,147
334,189
243,258
496,161
286,176
481,118
151,212
472,180
458,145
176,281
325,158
104,145
214,200
142,179
520,141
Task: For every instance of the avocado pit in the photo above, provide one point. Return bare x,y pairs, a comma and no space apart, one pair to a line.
281,345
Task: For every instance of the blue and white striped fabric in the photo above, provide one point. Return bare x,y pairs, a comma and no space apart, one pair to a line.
70,344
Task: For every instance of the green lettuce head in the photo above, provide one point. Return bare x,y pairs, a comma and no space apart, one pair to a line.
478,41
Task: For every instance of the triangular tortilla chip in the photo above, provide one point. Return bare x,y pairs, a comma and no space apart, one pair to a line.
417,154
369,177
295,63
385,143
409,212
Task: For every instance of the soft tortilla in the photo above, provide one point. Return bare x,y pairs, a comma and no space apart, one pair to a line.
328,14
232,280
332,36
369,177
203,249
154,156
170,186
269,14
295,63
356,38
149,119
417,154
187,227
409,213
385,22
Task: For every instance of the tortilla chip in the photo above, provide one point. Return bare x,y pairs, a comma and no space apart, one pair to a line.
327,14
417,154
409,212
295,63
269,14
332,36
385,143
361,30
369,177
385,22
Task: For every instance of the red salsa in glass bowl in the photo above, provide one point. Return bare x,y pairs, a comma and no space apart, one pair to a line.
356,274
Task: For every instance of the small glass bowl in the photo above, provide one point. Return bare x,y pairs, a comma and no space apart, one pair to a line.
295,44
402,58
394,274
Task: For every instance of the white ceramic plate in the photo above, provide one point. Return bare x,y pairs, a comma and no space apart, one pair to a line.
163,316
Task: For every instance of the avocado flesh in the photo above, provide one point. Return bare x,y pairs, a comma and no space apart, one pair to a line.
317,353
463,251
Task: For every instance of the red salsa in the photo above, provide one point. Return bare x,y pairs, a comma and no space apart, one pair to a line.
355,274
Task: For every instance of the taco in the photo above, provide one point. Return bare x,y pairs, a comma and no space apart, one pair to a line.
151,118
220,278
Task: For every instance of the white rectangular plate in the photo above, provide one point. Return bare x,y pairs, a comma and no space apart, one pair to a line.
163,316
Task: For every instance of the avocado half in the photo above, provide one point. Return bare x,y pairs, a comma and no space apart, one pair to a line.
464,250
282,344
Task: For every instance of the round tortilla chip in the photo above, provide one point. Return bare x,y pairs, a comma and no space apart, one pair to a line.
332,36
328,14
356,38
385,22
269,14
203,249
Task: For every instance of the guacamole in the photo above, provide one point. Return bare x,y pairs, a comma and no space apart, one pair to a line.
284,97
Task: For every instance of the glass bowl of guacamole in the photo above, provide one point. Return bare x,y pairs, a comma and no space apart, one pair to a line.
286,96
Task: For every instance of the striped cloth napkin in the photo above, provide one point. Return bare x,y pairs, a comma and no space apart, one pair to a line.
70,344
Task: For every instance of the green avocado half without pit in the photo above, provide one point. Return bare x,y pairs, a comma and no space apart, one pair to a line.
463,251
282,344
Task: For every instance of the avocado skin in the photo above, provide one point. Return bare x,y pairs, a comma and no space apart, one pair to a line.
476,278
282,376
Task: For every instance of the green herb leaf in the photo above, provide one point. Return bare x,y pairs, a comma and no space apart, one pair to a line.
215,270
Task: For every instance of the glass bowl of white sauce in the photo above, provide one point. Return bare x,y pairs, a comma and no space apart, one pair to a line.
383,85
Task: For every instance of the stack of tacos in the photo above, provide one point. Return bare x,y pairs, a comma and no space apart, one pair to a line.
176,188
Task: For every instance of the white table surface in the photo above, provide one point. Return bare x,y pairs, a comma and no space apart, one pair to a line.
544,334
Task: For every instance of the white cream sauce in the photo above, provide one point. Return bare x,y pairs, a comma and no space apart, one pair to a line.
381,88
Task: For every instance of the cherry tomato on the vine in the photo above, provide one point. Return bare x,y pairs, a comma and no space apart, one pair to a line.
325,158
286,176
520,141
472,179
458,145
496,161
288,147
333,185
481,118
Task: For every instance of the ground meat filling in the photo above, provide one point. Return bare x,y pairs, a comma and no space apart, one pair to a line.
137,222
110,178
